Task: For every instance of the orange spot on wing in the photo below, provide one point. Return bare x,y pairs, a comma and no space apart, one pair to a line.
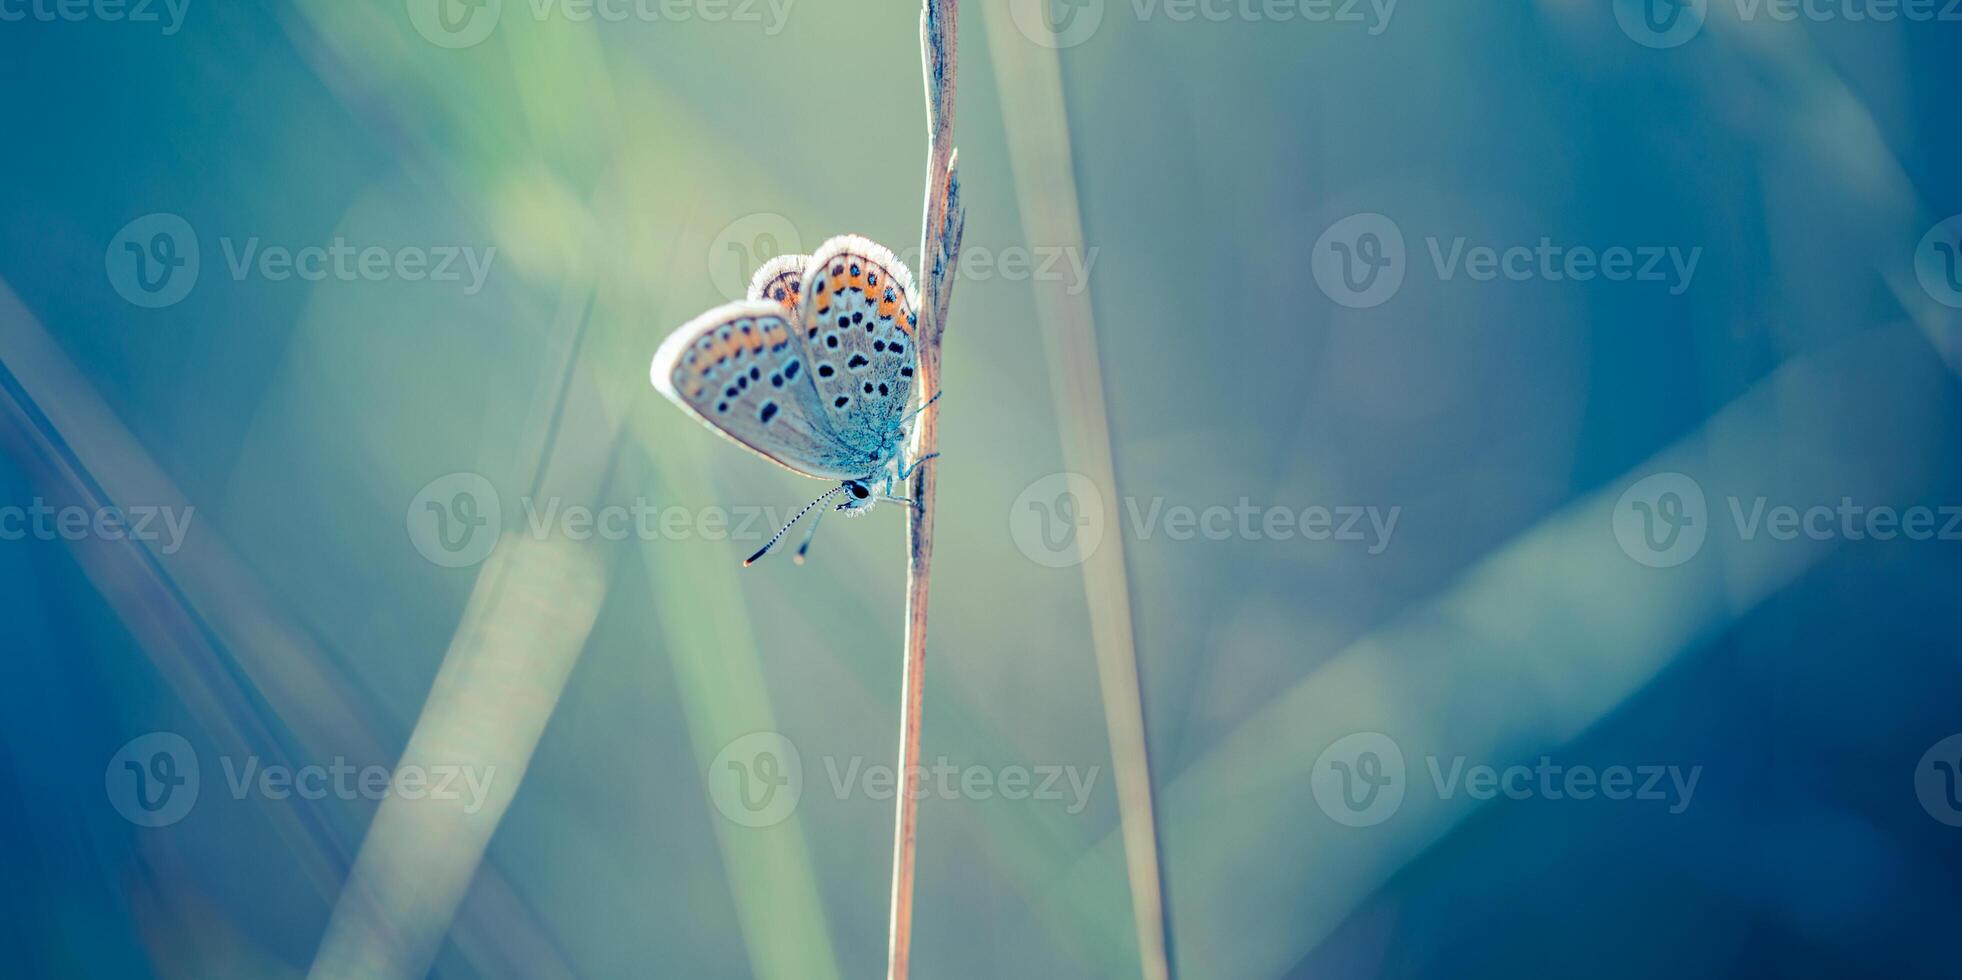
717,349
786,283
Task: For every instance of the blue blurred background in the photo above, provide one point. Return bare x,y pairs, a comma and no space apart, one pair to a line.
1407,392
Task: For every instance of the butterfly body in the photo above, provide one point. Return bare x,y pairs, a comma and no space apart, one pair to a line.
811,371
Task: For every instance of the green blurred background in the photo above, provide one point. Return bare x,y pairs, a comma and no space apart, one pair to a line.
1148,186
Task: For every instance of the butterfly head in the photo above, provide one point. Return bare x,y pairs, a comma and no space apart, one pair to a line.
859,499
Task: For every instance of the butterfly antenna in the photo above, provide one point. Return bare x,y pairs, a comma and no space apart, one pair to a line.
808,535
923,406
774,538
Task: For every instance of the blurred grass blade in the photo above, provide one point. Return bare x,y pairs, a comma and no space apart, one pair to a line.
528,619
1490,670
1030,81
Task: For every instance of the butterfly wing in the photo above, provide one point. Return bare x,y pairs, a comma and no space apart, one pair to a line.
857,318
781,279
739,369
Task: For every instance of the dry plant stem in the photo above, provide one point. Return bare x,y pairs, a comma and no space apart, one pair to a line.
940,247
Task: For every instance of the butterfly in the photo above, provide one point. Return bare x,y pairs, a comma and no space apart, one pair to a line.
812,371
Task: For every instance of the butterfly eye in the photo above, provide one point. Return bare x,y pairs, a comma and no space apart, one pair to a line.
859,491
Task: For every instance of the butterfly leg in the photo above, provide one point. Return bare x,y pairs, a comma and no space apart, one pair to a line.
907,470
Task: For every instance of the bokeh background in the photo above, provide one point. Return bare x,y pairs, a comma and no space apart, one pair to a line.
628,173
